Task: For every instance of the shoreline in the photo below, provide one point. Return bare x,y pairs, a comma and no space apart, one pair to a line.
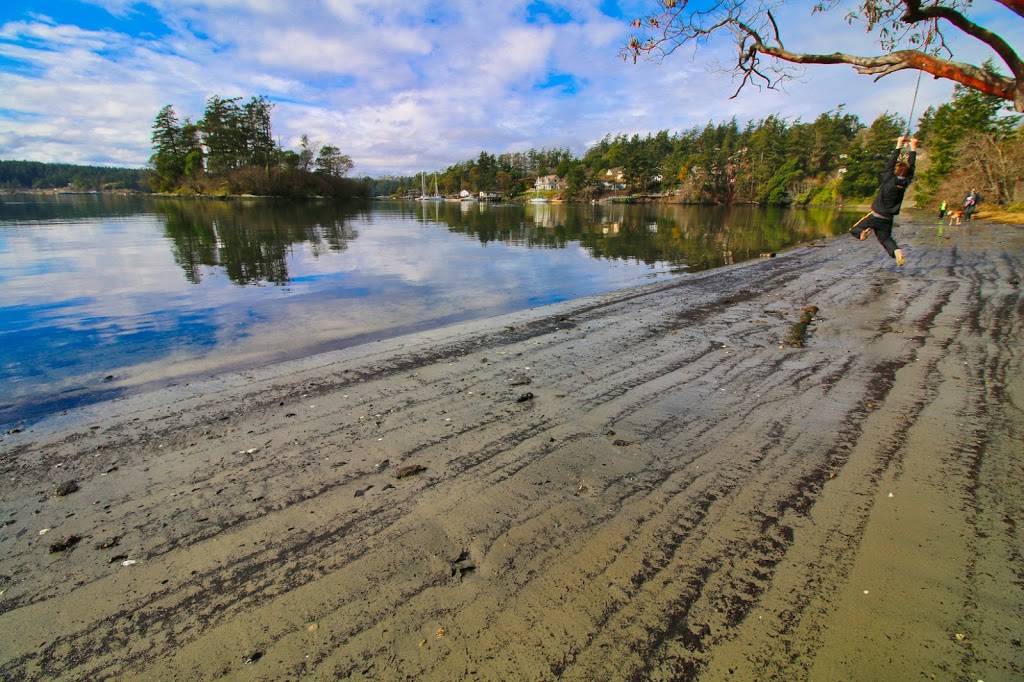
637,485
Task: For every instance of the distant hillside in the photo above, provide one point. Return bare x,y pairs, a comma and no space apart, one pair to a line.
38,175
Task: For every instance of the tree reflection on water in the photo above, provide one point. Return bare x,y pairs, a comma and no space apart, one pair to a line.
250,240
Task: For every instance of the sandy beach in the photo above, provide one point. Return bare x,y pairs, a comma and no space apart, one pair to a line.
658,483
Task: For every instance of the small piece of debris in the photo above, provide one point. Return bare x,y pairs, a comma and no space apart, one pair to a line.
798,332
253,657
109,542
524,397
410,470
65,488
129,562
462,565
65,543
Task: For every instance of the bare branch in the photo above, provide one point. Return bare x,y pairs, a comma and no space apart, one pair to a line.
916,13
897,22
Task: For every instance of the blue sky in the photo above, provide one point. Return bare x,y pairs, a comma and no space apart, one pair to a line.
402,85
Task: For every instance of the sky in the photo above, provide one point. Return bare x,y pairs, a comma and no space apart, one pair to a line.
402,86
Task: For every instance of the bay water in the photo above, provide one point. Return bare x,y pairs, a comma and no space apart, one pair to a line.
103,295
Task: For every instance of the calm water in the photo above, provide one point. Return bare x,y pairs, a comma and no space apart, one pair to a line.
102,295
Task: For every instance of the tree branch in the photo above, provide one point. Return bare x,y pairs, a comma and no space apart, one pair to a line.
915,13
746,19
1016,6
883,65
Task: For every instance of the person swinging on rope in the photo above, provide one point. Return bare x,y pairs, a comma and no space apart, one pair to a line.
895,179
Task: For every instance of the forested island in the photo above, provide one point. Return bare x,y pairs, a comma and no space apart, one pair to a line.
969,142
231,150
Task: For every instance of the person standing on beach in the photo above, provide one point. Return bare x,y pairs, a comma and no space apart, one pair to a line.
942,210
970,204
895,179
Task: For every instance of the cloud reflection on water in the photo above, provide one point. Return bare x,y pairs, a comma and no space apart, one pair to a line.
151,291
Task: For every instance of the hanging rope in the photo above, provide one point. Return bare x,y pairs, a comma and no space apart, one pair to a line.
910,119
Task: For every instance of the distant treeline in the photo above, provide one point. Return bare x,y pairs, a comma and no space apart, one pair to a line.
970,142
38,175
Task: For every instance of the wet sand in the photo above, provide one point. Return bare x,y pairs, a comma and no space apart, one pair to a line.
652,484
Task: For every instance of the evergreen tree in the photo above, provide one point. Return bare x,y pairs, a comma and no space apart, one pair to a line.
168,160
332,162
867,159
256,131
832,136
222,128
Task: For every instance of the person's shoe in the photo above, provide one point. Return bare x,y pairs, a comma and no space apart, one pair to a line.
865,233
900,260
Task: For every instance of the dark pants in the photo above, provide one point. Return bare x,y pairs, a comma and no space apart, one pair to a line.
882,228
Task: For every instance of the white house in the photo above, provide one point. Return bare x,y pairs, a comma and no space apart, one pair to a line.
548,182
613,178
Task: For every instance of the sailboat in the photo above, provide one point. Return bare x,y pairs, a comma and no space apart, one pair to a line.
537,198
435,196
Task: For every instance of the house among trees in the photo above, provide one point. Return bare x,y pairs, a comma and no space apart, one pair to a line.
613,178
549,182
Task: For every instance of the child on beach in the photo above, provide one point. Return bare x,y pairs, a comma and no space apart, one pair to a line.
896,177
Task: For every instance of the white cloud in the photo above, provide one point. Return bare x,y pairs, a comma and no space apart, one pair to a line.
401,86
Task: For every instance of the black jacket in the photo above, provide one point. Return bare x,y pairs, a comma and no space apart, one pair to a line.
891,189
